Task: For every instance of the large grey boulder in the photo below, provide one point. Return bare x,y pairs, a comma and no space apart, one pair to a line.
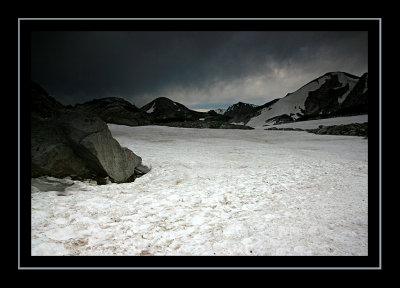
65,143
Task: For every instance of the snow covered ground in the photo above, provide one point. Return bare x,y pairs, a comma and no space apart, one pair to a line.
216,192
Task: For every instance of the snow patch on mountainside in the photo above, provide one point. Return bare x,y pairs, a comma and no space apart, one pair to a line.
290,105
151,110
346,80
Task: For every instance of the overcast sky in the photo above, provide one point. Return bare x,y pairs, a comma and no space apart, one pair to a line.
209,69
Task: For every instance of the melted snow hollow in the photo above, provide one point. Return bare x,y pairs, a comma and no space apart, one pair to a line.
216,192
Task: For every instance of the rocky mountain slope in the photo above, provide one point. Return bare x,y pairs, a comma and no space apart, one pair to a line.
243,112
240,112
335,93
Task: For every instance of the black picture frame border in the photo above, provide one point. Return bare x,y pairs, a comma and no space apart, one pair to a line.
374,258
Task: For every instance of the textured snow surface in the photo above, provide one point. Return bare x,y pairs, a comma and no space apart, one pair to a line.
216,192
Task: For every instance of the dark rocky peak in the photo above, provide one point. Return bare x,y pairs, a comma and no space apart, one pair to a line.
240,107
240,112
162,104
340,77
357,100
327,99
364,80
42,104
115,110
105,103
164,110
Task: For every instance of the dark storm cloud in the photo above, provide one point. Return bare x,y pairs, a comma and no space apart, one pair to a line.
198,69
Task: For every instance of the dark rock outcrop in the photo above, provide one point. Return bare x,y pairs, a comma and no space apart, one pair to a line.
355,129
285,129
42,104
325,99
282,119
116,111
65,143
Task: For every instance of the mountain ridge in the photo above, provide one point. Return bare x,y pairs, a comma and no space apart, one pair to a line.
115,110
332,94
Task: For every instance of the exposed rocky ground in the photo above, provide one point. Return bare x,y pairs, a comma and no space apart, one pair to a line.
212,124
355,129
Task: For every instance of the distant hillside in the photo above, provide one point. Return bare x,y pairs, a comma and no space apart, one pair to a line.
116,111
164,110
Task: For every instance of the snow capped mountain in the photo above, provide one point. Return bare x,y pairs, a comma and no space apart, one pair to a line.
325,95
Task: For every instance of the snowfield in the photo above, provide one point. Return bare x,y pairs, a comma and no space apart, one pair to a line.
216,192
